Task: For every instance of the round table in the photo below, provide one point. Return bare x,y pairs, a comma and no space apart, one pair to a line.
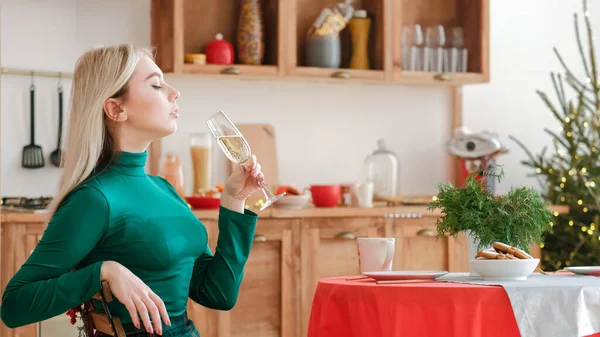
359,308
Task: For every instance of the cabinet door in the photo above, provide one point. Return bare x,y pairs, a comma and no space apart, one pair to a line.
329,250
18,241
417,247
268,298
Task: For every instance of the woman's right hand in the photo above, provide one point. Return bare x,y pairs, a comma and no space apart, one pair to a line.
136,296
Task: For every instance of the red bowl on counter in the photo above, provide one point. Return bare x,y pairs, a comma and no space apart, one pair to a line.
326,195
203,202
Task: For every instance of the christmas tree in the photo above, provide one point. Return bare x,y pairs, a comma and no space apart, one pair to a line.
570,174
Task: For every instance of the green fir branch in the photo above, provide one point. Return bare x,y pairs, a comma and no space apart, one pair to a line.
594,75
580,46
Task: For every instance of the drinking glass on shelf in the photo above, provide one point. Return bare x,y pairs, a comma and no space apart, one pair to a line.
456,54
236,148
435,41
412,48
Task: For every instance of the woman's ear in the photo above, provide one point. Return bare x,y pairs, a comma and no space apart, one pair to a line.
114,110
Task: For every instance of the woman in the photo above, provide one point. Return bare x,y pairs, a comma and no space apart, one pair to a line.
110,221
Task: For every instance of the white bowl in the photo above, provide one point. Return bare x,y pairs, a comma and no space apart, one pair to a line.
292,201
504,270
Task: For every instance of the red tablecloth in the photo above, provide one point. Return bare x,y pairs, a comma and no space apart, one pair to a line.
365,309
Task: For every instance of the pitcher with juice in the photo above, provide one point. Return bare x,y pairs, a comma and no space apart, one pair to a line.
200,150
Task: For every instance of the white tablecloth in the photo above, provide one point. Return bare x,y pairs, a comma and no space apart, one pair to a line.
549,305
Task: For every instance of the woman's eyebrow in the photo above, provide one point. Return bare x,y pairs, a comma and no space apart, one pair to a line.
152,75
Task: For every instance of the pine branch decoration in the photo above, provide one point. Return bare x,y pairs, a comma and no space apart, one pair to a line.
518,218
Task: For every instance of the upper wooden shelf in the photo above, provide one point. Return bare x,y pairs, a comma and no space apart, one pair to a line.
181,27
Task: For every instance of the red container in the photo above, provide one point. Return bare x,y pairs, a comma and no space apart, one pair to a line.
219,51
326,195
203,202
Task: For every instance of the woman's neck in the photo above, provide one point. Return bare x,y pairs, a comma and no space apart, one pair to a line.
132,145
129,140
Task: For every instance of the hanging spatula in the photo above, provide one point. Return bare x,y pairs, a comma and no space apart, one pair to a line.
33,157
56,155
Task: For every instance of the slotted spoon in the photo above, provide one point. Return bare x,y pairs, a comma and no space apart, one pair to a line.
33,157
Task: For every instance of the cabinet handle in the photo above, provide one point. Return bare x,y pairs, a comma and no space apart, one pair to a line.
403,215
260,238
425,232
344,75
443,77
231,71
346,236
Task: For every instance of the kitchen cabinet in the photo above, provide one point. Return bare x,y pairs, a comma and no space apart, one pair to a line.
180,27
471,15
186,26
417,247
268,303
19,238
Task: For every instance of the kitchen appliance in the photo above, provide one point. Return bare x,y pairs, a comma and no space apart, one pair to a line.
25,205
477,152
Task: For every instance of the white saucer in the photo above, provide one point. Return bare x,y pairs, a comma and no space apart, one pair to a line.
592,270
406,274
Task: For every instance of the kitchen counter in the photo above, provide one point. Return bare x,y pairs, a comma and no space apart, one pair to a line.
403,211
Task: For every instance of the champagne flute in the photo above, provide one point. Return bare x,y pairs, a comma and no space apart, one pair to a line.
235,147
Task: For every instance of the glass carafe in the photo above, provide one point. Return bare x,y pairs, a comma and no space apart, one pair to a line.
200,150
381,168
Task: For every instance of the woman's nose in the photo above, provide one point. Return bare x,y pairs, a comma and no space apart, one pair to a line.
175,95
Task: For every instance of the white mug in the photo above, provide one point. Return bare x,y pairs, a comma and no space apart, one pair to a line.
375,254
364,194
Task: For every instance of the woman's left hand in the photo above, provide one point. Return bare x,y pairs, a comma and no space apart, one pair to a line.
242,183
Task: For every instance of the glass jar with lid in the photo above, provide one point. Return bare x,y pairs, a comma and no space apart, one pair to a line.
172,171
381,168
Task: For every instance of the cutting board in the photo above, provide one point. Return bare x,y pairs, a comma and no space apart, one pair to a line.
261,138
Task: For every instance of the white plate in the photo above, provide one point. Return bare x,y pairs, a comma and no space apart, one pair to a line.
405,274
593,270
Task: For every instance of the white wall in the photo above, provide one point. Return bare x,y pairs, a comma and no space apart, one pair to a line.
324,131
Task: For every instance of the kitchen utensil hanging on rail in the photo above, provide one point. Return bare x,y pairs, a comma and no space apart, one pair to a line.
56,155
33,157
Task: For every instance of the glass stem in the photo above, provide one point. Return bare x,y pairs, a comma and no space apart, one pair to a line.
267,192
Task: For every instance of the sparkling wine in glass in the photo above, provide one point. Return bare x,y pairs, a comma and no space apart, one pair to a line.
235,147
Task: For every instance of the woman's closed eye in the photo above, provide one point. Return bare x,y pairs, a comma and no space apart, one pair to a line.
157,87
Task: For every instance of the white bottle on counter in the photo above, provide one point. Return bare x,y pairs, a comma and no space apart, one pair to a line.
381,168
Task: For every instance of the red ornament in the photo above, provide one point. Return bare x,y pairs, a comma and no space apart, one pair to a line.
73,314
219,51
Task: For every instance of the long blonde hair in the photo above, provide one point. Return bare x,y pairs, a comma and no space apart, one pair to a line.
100,73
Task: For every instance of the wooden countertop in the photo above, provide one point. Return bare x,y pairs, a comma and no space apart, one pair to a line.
278,213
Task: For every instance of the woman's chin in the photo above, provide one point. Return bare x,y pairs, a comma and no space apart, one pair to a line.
169,129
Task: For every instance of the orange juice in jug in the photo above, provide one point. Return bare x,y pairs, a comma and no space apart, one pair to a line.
200,150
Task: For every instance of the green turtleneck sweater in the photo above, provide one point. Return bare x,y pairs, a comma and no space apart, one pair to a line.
138,220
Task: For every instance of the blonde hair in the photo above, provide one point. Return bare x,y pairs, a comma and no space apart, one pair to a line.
100,73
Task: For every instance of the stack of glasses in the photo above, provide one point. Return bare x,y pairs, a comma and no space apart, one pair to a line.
434,53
